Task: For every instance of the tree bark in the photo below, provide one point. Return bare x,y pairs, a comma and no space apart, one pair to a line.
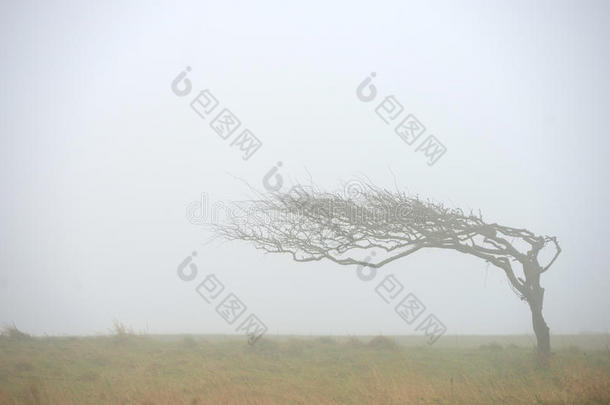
541,329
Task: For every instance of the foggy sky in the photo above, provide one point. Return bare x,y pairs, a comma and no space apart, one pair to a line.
101,159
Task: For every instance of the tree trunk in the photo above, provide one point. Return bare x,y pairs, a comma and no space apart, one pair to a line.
541,329
543,336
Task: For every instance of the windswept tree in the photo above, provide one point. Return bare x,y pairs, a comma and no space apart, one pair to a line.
311,225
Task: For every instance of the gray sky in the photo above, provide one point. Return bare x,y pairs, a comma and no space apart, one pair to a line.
101,159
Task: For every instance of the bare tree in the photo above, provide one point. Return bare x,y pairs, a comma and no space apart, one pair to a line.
311,225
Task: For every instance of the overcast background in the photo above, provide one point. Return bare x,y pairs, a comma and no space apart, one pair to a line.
100,158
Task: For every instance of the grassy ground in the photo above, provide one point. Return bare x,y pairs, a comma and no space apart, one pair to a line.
130,369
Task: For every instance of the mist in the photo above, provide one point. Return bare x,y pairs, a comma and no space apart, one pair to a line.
106,160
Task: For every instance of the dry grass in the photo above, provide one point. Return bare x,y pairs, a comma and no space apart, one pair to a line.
191,370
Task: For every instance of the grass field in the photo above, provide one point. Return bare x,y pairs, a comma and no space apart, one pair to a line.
132,369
